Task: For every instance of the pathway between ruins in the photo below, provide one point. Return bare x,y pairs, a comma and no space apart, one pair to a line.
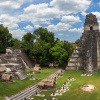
29,92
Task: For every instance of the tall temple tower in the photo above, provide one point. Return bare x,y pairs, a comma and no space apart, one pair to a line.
87,53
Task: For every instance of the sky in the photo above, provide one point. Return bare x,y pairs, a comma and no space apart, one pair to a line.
65,18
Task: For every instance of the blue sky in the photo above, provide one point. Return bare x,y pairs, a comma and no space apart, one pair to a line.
65,18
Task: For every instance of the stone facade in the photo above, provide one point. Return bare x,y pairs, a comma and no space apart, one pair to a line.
87,53
15,57
15,61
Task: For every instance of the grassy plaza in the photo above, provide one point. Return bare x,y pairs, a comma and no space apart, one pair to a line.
8,89
75,91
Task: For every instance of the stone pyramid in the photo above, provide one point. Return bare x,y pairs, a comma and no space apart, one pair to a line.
87,53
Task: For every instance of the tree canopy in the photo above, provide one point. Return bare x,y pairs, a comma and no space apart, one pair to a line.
5,38
27,42
15,43
41,46
59,53
44,35
41,52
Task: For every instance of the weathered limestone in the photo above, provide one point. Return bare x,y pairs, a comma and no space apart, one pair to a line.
87,53
15,61
15,57
74,60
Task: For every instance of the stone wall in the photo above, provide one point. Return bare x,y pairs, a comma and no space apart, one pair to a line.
87,51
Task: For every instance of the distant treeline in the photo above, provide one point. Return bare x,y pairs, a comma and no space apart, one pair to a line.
40,45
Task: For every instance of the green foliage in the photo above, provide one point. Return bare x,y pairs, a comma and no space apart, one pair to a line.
59,53
5,38
15,43
41,52
43,42
27,41
27,70
70,48
44,34
45,49
40,46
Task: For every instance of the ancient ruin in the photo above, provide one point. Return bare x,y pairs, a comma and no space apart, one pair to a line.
14,62
47,83
87,53
37,68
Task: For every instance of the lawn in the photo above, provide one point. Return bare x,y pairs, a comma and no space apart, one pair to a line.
18,85
75,92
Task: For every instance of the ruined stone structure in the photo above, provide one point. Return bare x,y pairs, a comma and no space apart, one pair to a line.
15,61
87,53
15,57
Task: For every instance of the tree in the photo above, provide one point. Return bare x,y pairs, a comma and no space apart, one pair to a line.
69,47
44,34
5,38
58,52
15,43
42,45
27,42
41,52
77,41
43,42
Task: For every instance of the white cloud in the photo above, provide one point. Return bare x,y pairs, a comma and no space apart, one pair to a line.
18,33
71,6
28,27
36,26
51,28
62,26
10,26
12,23
97,14
42,10
34,8
8,5
76,30
9,21
44,13
8,18
84,13
49,13
40,13
70,19
59,27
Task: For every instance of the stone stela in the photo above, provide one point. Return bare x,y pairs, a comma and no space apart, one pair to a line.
86,56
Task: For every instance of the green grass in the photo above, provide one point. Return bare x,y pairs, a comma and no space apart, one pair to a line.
75,92
18,85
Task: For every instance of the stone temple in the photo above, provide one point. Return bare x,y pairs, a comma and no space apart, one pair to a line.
87,53
14,63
